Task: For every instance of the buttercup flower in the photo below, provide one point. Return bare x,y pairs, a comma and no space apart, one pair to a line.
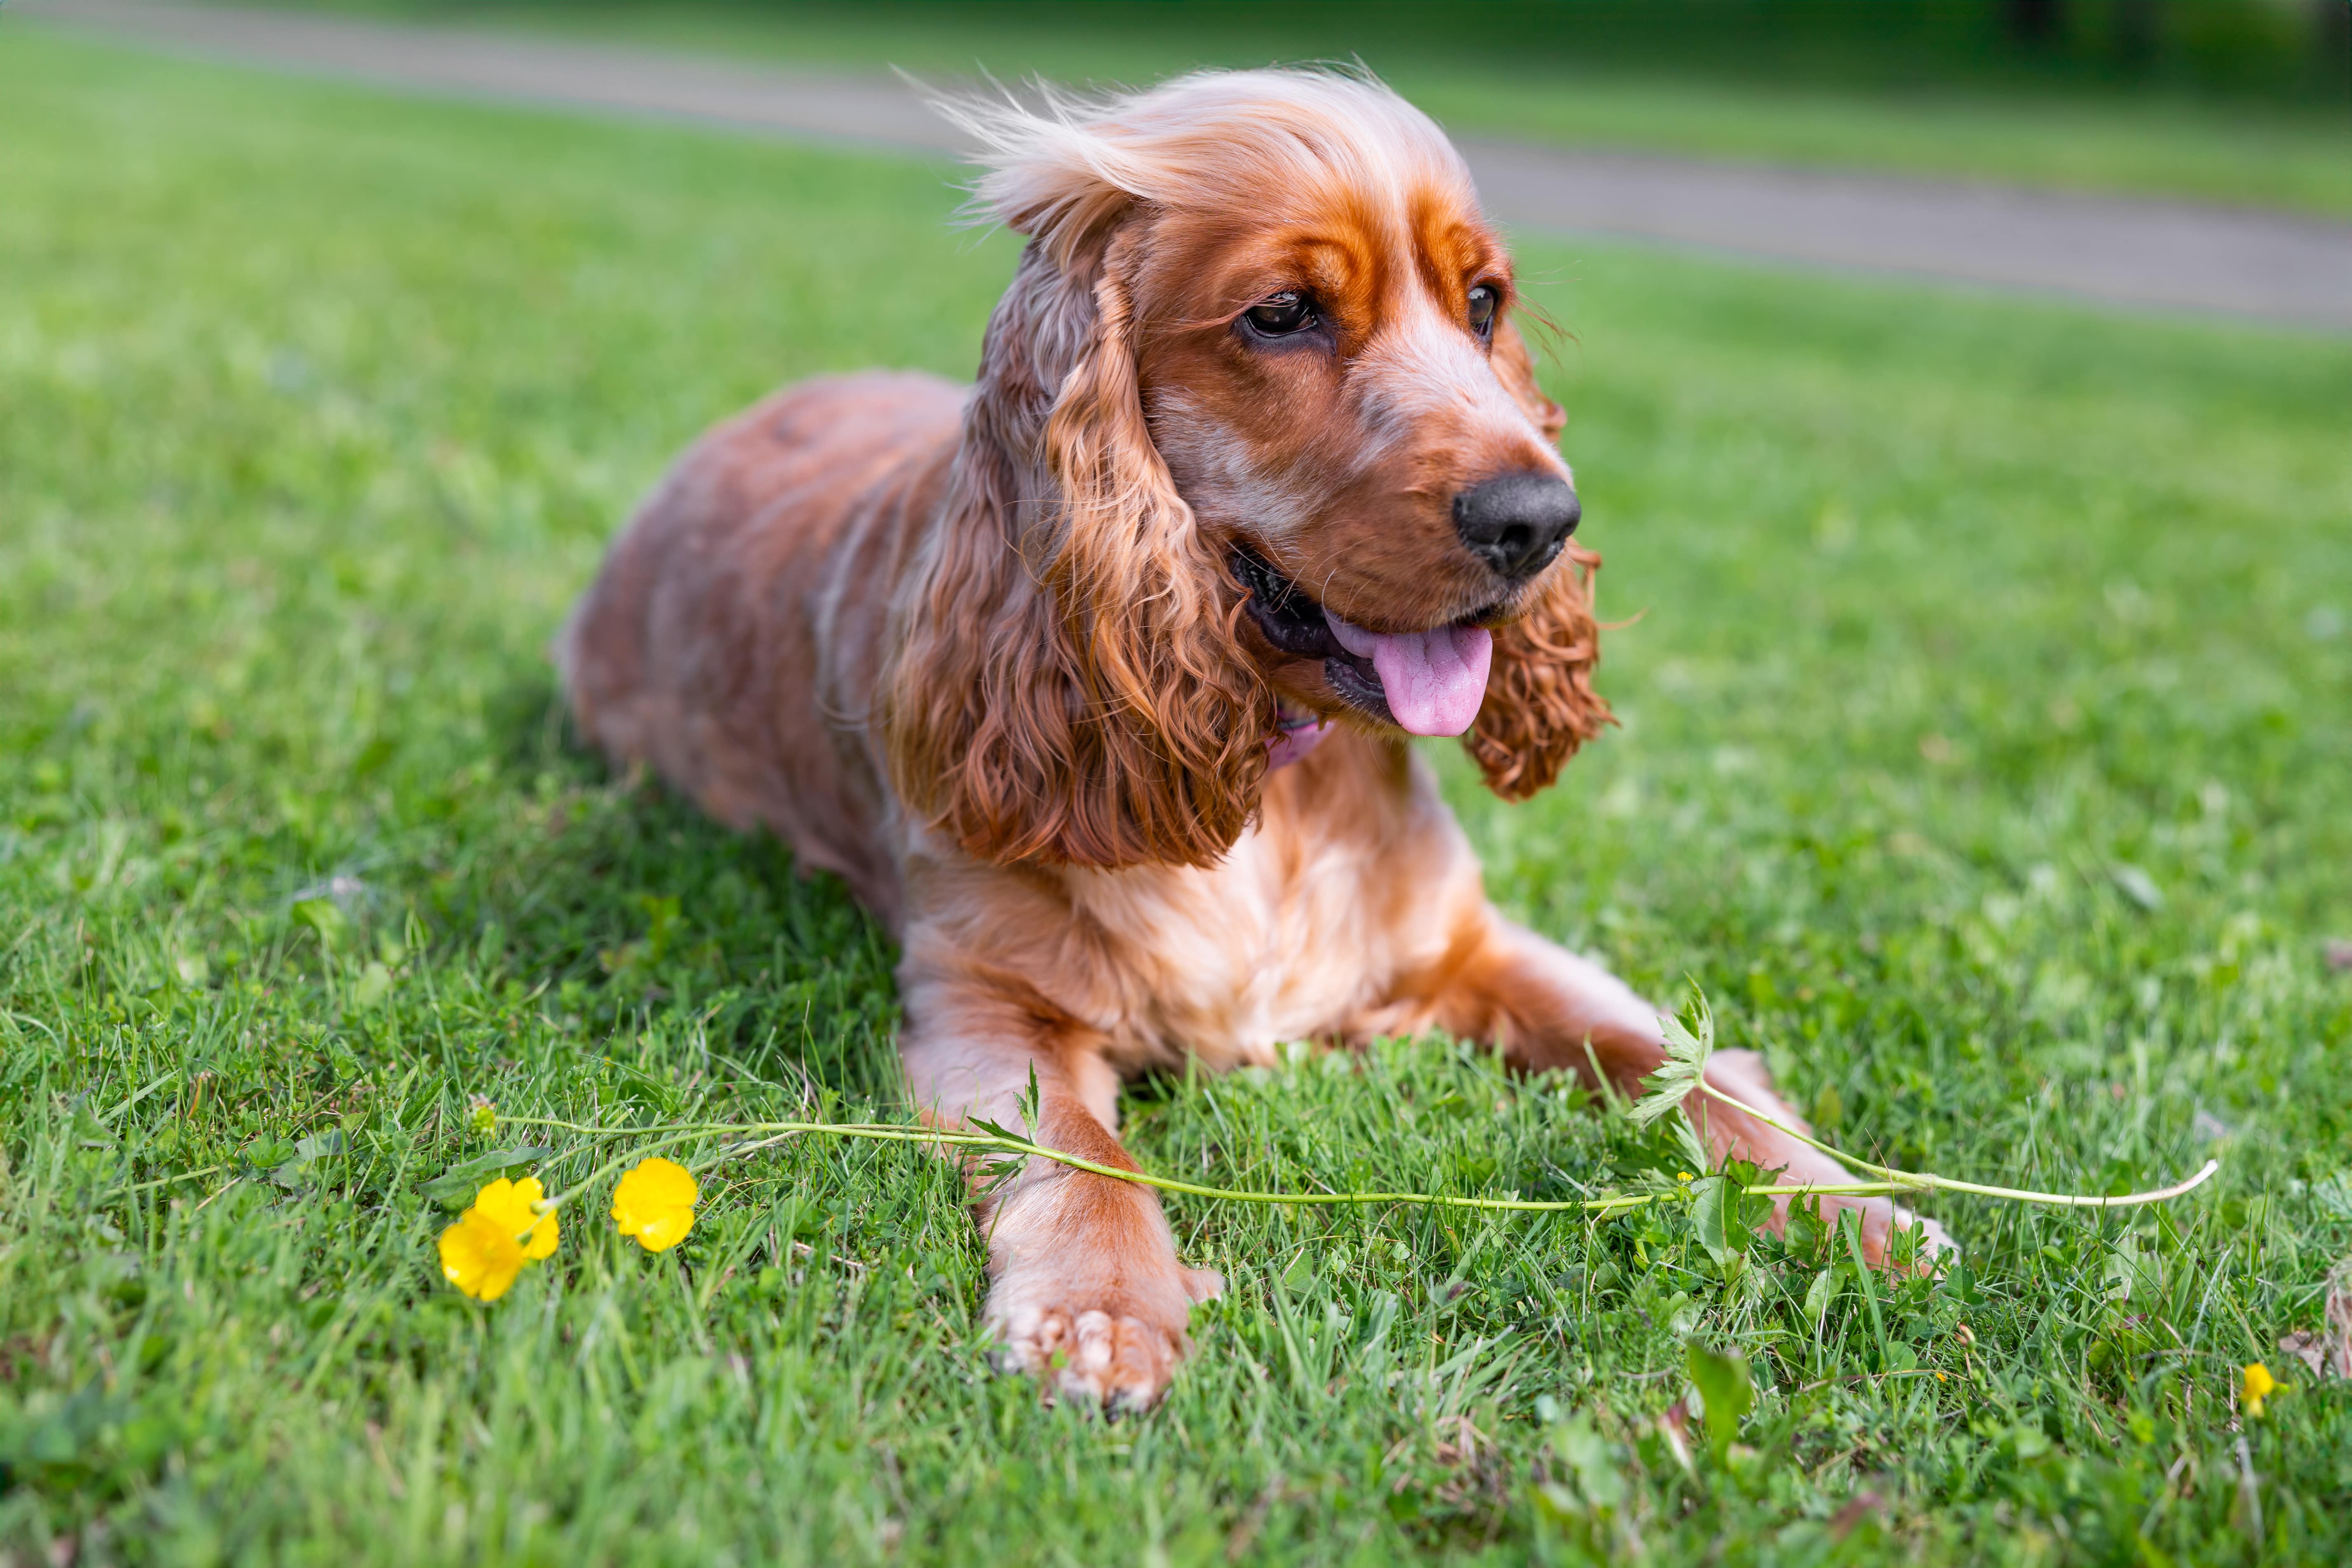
655,1203
483,1252
2260,1385
515,1206
478,1258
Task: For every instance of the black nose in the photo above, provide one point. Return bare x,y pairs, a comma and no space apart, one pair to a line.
1516,523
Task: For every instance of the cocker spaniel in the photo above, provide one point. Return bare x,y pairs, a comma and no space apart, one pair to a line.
1094,680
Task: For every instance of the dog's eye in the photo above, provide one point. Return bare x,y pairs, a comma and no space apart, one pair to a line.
1483,301
1281,314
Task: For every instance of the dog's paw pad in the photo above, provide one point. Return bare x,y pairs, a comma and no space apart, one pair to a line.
1114,1361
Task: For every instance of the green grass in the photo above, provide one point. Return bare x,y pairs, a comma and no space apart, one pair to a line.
1983,757
1932,94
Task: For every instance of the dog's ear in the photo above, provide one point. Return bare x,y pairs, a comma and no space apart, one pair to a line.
1540,705
1180,714
1515,366
1067,686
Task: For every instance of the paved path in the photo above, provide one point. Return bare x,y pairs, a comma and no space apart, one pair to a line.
2124,250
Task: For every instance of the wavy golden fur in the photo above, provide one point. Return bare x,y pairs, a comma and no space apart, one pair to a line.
1092,681
1065,685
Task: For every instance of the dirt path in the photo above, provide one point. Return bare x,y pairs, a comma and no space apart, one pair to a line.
2122,250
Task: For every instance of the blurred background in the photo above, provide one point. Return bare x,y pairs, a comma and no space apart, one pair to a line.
2230,99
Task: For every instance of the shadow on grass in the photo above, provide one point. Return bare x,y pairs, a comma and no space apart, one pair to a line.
645,918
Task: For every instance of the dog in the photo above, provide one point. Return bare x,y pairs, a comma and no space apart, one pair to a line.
1094,681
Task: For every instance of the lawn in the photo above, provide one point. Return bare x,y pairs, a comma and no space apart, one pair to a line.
1984,759
1914,90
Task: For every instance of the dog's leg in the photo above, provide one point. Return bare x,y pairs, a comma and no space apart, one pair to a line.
1544,1006
1086,1290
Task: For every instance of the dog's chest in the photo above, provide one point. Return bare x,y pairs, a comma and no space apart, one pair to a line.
1291,937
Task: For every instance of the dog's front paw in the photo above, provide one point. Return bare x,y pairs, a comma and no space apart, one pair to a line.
1937,1246
1119,1363
1881,1218
1116,1348
1933,1240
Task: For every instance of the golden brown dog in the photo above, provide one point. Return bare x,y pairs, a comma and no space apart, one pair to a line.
1093,680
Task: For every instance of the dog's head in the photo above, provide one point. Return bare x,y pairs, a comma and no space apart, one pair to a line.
1256,440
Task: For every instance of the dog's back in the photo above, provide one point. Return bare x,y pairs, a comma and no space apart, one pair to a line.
730,641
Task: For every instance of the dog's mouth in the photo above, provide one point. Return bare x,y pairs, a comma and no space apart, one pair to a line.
1424,683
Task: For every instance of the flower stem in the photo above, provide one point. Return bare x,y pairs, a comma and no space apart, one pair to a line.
987,1141
547,1205
1916,1181
1891,1180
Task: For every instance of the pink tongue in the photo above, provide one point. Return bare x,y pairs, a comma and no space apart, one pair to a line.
1434,680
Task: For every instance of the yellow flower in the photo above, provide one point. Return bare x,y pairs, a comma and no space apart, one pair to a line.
515,1206
483,1252
2260,1385
1682,1176
655,1203
478,1258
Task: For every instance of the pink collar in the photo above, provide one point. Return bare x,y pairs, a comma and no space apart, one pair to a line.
1298,732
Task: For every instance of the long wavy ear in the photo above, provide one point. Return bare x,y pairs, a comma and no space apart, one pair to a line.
1540,705
1065,687
1180,712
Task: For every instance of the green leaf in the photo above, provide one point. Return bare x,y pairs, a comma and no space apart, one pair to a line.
327,919
997,1173
1687,1053
294,1174
1818,1298
1031,1101
996,1130
374,985
268,1153
1723,1381
661,926
1693,1152
322,1145
1719,1213
1806,1236
1597,1463
456,1187
999,1169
